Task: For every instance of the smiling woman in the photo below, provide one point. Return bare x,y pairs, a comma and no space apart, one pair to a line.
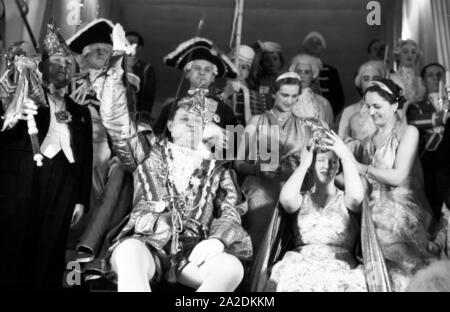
287,137
390,163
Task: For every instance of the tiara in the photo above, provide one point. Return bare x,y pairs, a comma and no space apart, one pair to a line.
289,74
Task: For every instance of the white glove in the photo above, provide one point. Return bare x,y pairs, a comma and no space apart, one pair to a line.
120,42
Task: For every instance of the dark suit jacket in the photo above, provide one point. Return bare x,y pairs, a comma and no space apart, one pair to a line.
331,88
16,156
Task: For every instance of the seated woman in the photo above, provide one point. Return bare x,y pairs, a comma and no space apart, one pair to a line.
284,137
398,206
268,155
325,230
310,104
186,219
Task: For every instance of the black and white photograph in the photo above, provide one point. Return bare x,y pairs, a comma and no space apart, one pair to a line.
238,148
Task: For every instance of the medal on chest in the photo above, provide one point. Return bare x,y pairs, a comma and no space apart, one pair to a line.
63,117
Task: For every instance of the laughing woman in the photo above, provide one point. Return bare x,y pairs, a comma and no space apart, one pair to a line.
399,209
325,230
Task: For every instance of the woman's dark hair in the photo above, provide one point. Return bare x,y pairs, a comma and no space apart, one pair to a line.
395,94
276,86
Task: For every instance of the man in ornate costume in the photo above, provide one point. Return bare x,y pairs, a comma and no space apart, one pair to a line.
329,81
186,218
202,63
430,116
38,204
111,185
245,102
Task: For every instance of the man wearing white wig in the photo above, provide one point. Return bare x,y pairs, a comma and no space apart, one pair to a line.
329,82
310,104
201,63
356,122
110,182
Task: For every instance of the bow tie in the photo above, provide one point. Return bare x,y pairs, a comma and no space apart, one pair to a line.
51,89
198,91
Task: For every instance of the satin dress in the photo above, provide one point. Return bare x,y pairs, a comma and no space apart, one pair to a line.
323,258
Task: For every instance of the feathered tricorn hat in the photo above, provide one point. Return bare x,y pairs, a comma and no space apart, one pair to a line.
201,49
97,31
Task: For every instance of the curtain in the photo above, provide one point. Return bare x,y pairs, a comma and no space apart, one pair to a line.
440,17
418,24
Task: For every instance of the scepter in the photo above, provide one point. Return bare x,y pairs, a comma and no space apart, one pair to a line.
28,87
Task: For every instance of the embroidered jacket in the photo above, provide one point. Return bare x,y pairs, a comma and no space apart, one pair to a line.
210,208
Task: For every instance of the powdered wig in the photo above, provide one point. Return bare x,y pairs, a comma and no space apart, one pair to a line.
188,67
377,65
314,62
400,44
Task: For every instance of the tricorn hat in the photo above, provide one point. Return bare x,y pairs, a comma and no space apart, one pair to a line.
97,31
201,49
54,43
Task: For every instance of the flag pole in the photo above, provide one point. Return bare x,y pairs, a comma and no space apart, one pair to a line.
239,9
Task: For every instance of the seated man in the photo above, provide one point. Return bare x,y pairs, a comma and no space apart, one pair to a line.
186,218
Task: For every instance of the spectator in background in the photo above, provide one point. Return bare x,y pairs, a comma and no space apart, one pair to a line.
268,65
407,54
355,123
376,49
146,73
245,102
430,116
310,104
329,82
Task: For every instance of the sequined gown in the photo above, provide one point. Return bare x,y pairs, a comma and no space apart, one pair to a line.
401,214
262,191
323,258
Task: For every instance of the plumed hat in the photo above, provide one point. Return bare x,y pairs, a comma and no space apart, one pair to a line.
201,49
97,31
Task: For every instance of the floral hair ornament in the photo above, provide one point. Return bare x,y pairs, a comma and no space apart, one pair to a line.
289,74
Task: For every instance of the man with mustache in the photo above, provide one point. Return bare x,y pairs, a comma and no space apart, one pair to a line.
39,204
